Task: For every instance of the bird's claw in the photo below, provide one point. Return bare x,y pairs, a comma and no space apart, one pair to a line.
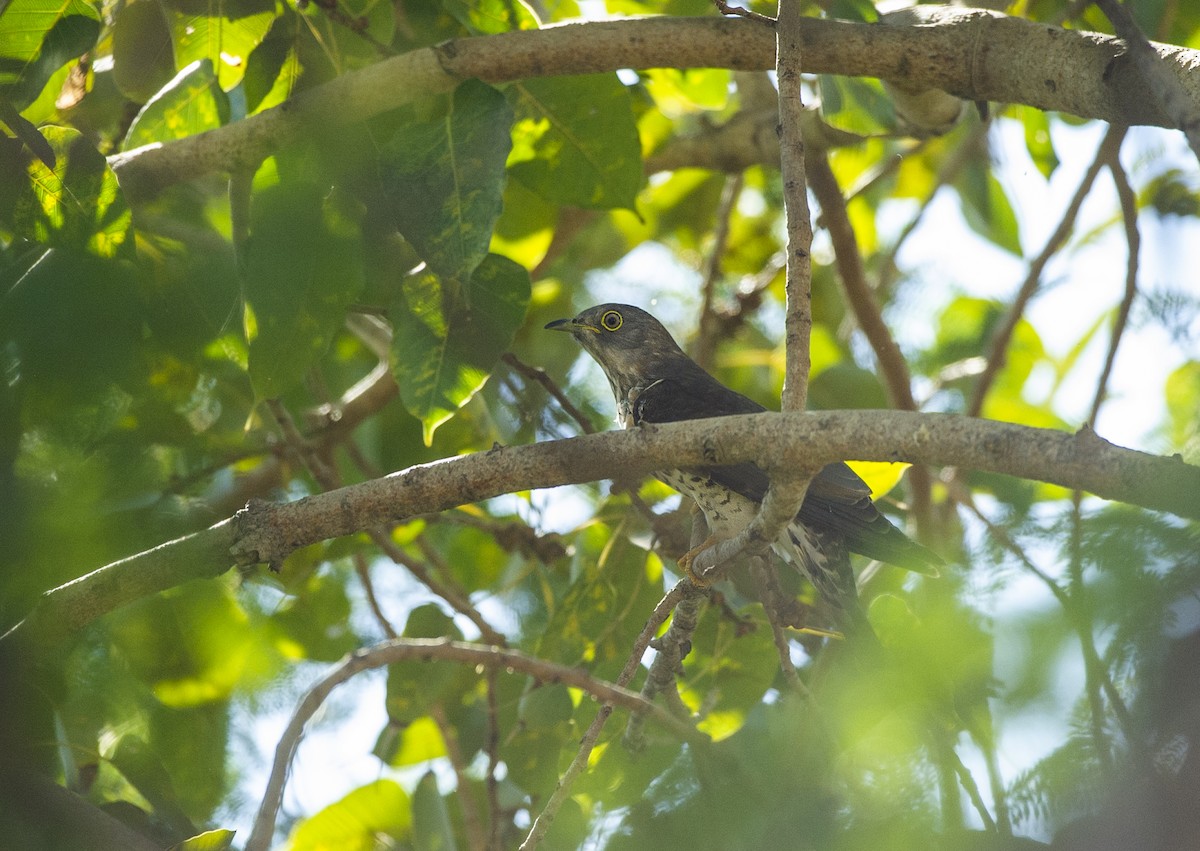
686,561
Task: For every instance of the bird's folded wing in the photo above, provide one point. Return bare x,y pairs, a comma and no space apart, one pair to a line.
837,500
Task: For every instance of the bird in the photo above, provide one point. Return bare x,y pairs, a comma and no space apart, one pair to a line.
654,381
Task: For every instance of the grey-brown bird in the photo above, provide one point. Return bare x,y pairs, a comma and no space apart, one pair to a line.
653,381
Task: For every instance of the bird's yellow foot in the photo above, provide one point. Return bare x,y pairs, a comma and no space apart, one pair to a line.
685,562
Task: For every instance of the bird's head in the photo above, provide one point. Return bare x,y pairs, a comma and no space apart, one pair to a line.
629,344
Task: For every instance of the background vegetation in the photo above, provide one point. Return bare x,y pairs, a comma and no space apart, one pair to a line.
315,295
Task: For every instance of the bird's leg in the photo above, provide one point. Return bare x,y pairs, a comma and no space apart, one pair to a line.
686,560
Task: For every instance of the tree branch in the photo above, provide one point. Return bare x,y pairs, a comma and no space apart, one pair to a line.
265,533
429,650
971,53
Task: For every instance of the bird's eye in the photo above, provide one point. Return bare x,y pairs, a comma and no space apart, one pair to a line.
611,320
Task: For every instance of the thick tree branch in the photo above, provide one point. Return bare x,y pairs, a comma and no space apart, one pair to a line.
267,533
971,53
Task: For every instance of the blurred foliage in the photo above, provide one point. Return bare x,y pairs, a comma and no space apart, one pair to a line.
138,346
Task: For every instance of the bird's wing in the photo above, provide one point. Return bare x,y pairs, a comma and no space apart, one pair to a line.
837,500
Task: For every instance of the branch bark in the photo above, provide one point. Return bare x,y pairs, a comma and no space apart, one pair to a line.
267,533
430,650
971,53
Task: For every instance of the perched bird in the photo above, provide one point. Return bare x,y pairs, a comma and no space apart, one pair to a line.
653,381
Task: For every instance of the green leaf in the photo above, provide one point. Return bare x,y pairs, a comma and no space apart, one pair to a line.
222,31
487,17
76,204
303,267
448,336
431,830
446,179
986,206
37,37
143,57
1038,142
576,141
1183,402
273,68
210,840
414,686
190,104
856,104
352,824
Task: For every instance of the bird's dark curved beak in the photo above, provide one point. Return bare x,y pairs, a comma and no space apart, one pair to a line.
561,325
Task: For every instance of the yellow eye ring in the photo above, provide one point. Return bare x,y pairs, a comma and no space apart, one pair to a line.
611,320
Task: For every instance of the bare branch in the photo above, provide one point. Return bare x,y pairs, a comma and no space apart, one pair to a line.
971,53
541,824
266,533
798,320
1160,78
429,650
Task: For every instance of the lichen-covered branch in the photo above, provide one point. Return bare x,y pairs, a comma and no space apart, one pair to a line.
974,54
265,532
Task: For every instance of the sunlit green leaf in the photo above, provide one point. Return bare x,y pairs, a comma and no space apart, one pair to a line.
224,32
448,338
1183,404
575,141
445,179
76,204
210,840
491,16
191,103
355,822
1038,142
856,104
37,37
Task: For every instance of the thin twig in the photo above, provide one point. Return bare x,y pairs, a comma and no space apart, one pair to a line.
430,650
540,376
946,175
867,313
1134,240
466,797
706,338
492,748
1004,332
798,321
725,9
562,791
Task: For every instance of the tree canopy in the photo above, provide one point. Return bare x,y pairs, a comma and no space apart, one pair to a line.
284,449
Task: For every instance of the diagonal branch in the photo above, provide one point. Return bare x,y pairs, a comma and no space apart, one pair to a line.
998,348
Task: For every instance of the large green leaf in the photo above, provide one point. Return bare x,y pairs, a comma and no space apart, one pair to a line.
303,267
143,57
354,822
76,204
221,31
986,207
445,178
190,104
431,819
576,141
37,37
449,336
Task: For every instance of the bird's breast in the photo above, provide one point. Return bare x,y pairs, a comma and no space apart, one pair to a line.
726,512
